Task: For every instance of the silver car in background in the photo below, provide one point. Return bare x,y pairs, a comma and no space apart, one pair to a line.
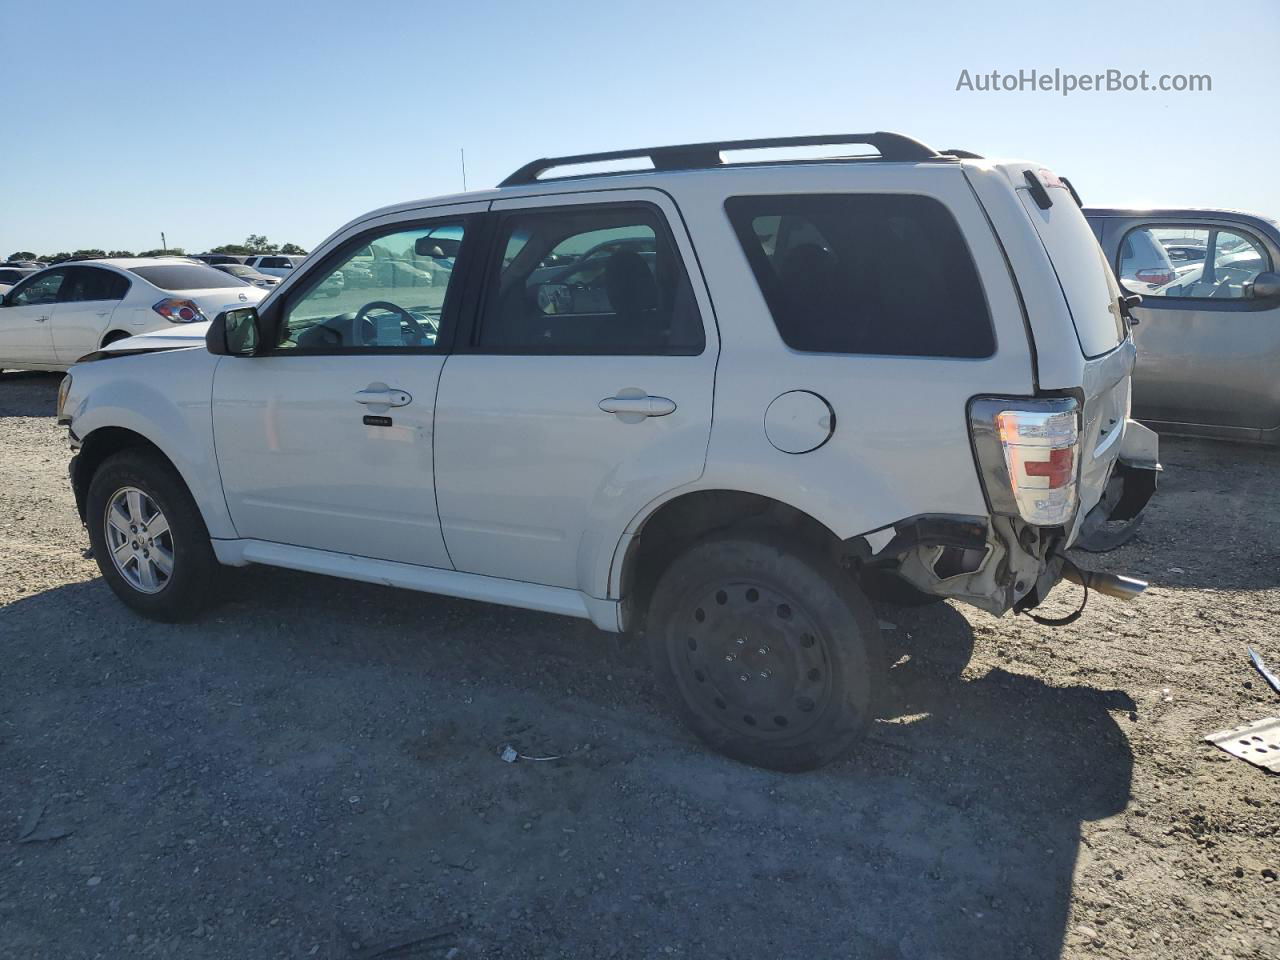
1208,328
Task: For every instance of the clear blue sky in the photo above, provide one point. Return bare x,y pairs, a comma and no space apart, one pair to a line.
214,120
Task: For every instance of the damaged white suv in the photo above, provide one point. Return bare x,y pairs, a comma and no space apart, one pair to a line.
709,401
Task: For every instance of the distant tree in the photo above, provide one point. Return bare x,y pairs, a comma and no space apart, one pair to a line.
121,253
23,255
92,254
292,249
237,249
56,257
171,252
257,243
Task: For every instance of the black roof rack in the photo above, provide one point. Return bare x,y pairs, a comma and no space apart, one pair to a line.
963,154
691,156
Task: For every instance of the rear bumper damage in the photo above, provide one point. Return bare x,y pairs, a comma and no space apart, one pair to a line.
1000,563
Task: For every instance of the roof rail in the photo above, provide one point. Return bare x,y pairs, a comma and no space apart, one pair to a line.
962,154
691,156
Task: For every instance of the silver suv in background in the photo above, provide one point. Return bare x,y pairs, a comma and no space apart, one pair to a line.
1208,328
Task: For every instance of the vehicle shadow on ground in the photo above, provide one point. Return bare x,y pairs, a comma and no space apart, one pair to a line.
955,832
28,394
1008,769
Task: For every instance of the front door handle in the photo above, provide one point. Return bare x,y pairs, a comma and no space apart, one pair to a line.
633,404
383,396
41,319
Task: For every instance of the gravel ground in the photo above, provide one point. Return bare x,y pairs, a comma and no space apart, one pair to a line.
312,770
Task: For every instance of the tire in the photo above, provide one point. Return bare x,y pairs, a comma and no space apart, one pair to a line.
794,625
142,582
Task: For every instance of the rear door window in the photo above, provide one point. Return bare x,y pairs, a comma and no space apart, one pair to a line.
91,284
1083,274
602,279
865,274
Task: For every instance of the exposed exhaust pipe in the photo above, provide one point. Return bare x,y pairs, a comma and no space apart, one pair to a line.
1112,584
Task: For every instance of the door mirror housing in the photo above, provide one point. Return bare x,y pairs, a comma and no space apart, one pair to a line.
1264,286
235,333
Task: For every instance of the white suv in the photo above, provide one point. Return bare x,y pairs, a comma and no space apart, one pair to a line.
274,264
711,402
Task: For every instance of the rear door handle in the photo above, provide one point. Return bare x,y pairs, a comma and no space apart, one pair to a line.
643,405
41,319
385,396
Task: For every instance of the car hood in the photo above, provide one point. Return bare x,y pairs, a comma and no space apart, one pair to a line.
173,338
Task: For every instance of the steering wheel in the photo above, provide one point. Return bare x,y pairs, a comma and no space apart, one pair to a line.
363,329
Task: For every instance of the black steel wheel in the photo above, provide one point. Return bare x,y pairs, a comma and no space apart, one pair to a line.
771,654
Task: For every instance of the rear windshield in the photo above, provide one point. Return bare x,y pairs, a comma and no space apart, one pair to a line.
276,262
1083,273
186,276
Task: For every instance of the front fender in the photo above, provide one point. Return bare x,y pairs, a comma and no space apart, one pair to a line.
164,398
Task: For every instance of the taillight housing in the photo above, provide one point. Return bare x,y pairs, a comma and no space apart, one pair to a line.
1029,454
1156,276
179,311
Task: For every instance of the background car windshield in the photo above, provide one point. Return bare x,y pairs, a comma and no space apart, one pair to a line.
186,276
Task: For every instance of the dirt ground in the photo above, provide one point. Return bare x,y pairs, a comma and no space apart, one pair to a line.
312,770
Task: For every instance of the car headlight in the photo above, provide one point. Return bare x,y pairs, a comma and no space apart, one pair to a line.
64,391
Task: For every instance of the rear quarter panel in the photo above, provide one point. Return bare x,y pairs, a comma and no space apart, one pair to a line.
901,441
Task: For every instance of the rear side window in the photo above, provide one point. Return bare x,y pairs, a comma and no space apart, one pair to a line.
603,280
879,274
91,283
186,276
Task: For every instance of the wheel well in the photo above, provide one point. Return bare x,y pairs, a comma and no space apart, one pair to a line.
95,448
683,521
113,336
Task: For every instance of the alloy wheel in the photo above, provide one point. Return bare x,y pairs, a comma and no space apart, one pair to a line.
139,540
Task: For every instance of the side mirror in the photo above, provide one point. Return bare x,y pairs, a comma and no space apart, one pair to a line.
1264,286
235,333
555,298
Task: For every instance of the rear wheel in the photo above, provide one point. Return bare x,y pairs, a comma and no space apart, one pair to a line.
769,653
148,537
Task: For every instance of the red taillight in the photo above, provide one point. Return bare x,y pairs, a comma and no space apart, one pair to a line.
1060,468
178,311
1155,276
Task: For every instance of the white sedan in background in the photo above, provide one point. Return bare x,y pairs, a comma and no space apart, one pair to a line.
54,317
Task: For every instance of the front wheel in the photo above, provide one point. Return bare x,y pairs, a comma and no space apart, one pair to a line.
769,653
148,537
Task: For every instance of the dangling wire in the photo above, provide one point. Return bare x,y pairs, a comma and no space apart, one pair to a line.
1071,617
